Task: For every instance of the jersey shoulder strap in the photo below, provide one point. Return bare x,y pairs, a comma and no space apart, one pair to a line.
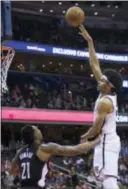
21,150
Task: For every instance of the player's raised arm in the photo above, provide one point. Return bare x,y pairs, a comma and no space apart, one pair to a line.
94,62
56,149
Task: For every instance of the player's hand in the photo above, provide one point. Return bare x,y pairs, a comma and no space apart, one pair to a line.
85,34
83,138
83,141
98,139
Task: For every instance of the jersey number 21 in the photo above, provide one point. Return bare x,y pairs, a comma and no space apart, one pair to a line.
25,170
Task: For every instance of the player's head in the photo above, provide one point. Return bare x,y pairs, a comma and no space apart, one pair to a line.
111,82
31,134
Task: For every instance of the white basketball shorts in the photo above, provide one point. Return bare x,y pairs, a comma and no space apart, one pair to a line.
106,157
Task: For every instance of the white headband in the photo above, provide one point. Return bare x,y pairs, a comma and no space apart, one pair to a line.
105,77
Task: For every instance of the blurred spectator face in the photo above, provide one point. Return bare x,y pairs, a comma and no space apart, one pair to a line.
29,101
58,186
58,102
34,106
14,94
22,104
73,170
84,186
78,187
50,104
31,87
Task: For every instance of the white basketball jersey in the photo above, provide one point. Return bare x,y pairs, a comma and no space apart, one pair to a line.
106,153
109,126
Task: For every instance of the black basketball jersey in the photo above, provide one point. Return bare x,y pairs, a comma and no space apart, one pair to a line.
33,171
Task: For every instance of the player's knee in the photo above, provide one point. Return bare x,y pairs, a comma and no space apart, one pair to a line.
110,182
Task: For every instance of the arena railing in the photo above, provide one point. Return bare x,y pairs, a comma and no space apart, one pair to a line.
83,177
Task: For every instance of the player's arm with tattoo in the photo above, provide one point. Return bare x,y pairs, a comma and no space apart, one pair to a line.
56,149
14,166
104,108
94,62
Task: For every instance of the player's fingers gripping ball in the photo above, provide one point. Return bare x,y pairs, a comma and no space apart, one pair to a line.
75,16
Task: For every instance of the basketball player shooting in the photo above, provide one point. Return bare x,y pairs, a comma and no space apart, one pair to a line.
31,161
106,153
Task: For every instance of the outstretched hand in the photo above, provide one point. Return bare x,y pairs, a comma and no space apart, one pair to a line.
83,32
83,138
98,139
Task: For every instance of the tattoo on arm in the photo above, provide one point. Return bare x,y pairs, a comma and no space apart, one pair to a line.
14,166
56,149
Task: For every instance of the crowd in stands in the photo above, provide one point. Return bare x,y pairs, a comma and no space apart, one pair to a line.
56,93
33,97
53,32
66,172
62,93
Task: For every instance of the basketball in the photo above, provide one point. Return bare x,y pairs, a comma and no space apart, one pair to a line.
75,16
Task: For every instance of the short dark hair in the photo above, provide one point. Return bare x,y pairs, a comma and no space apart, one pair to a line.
115,78
27,134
